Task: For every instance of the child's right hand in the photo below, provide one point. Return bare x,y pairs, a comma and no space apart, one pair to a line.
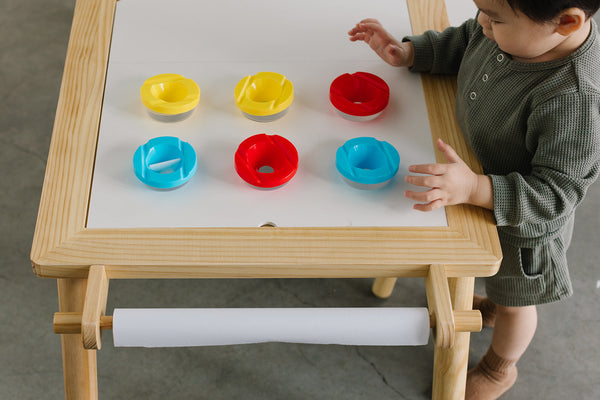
398,54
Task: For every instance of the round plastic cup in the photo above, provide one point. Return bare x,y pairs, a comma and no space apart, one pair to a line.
264,97
170,97
360,96
266,161
165,162
367,163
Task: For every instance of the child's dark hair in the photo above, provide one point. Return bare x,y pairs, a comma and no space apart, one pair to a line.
546,10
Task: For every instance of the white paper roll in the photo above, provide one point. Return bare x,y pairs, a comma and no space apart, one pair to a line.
226,326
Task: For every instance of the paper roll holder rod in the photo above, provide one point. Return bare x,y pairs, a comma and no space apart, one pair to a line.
92,320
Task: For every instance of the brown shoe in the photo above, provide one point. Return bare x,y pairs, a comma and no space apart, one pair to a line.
491,378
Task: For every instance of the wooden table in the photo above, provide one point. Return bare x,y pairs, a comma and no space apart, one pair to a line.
449,258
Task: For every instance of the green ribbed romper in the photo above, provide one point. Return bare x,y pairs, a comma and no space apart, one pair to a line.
535,128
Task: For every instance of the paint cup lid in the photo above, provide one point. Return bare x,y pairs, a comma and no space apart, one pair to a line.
266,161
366,160
360,94
170,94
165,162
263,94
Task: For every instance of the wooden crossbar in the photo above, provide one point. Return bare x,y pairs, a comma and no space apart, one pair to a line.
92,321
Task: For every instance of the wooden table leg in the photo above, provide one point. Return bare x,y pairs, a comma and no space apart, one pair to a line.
383,287
450,365
79,365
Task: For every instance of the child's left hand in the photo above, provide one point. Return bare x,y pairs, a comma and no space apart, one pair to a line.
451,183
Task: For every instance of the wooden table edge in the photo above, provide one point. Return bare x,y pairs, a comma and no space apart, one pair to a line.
64,247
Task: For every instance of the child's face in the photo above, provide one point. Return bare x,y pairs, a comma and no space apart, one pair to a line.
515,33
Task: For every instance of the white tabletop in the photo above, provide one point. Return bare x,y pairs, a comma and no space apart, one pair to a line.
218,43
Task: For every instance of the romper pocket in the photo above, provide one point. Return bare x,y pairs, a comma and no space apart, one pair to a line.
520,278
532,261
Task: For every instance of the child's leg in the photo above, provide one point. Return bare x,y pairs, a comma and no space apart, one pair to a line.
496,372
513,331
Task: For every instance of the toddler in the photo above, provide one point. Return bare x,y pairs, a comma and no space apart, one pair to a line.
528,105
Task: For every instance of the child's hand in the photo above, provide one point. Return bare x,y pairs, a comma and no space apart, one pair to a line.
451,183
389,49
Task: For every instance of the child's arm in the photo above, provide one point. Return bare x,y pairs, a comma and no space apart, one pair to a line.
451,183
397,54
434,52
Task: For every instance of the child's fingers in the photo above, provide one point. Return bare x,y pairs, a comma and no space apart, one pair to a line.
424,197
359,33
370,21
424,181
358,36
374,27
355,30
448,151
430,169
364,25
434,205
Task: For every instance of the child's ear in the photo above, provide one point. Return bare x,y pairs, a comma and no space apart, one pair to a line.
570,20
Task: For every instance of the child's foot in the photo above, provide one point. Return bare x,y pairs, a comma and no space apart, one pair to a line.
487,308
492,377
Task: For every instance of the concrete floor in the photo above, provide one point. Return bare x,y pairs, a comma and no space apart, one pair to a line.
562,361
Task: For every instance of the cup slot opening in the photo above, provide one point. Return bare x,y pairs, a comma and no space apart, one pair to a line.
264,90
170,92
359,94
365,157
164,159
266,169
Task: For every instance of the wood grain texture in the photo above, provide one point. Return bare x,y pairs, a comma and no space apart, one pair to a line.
440,305
94,307
64,248
79,364
383,287
67,182
450,364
